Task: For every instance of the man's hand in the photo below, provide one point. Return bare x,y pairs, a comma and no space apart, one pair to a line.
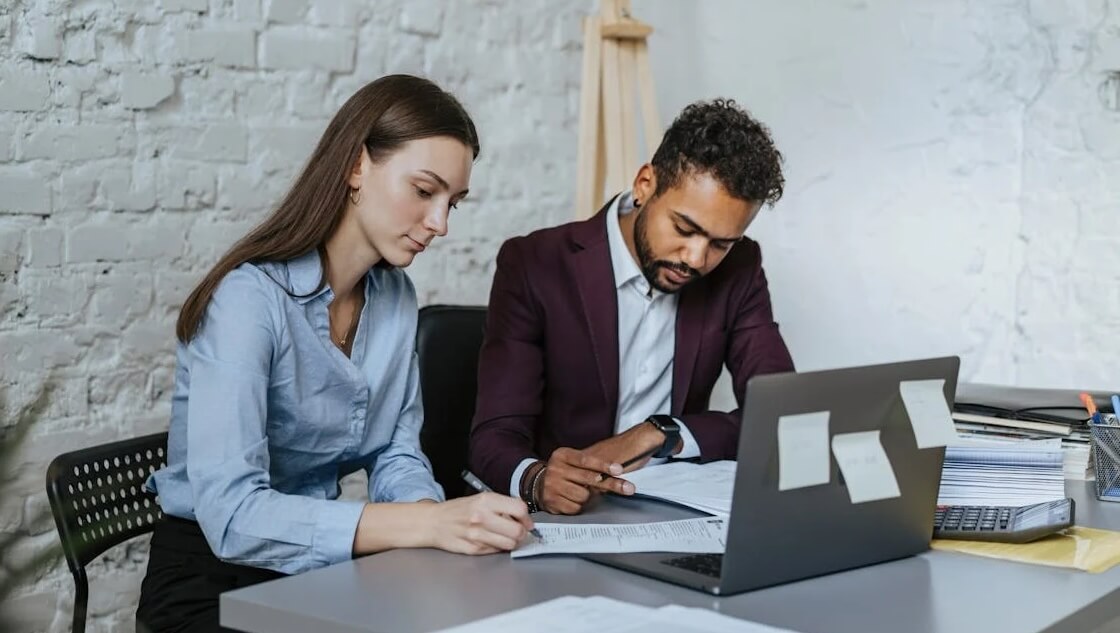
642,439
571,475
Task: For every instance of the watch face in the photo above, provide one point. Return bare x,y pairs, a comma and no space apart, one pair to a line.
672,431
665,423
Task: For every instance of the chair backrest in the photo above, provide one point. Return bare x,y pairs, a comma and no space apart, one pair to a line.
98,500
448,340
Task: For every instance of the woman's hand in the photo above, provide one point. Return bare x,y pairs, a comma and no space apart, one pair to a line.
479,524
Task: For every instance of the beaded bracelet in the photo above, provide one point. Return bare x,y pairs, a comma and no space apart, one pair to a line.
534,490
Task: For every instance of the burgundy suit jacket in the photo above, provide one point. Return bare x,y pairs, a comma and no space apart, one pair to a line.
548,370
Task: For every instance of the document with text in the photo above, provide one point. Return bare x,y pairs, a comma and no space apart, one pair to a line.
706,535
705,487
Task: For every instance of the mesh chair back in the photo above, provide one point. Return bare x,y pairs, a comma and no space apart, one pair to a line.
97,496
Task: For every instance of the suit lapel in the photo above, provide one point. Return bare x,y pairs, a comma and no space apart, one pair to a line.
595,280
690,326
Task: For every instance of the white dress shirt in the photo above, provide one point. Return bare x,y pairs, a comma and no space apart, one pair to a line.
647,320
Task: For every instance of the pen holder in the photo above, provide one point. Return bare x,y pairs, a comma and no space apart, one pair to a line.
1106,457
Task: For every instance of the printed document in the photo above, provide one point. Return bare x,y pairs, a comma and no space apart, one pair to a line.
705,487
706,535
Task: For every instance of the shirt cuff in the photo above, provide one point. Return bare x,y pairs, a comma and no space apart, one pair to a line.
515,481
691,448
336,524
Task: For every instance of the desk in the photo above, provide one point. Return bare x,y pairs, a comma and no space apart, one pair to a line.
423,590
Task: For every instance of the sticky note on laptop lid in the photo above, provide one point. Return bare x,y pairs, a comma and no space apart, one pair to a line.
867,471
928,411
803,458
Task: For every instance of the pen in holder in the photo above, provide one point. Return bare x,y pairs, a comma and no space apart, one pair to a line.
1106,456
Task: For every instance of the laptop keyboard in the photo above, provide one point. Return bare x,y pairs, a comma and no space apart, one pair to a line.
707,564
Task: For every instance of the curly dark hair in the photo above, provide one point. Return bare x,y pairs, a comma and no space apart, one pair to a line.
721,139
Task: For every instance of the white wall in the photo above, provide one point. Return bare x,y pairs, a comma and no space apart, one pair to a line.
953,174
953,178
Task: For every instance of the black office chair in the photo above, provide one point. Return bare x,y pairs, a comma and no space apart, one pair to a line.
448,339
98,501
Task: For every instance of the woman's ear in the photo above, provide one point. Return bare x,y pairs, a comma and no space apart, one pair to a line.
358,171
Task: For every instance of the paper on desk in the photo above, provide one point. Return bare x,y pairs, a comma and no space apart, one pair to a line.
568,614
597,614
928,411
803,458
863,462
711,621
1088,549
707,535
705,487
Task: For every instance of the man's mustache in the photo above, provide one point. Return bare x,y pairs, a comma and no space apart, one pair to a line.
681,268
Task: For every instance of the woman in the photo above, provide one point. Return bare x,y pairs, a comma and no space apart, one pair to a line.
296,366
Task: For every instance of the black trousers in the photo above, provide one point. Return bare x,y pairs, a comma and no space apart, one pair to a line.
180,591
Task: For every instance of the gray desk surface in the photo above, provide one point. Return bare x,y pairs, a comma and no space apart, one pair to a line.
424,590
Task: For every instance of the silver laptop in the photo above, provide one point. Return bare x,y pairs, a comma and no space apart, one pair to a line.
776,537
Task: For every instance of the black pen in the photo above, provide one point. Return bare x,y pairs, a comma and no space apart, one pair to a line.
640,457
632,460
477,484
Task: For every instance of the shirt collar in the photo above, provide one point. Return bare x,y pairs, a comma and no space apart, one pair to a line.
625,268
305,272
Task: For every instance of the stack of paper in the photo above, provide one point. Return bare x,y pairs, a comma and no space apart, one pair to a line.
596,614
705,487
1002,473
1076,460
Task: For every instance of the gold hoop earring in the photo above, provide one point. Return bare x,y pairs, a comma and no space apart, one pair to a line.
355,196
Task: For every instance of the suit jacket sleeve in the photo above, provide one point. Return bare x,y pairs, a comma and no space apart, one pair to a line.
510,374
754,347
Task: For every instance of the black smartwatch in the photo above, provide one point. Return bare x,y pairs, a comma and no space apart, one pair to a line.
672,431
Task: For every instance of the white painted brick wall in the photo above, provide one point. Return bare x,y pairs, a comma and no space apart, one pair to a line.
139,138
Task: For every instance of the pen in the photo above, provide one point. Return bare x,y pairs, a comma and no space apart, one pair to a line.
1091,407
476,483
640,457
633,460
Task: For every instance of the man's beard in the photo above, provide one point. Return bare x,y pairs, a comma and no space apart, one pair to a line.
650,267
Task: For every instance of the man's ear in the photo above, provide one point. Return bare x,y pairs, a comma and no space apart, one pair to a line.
359,169
645,183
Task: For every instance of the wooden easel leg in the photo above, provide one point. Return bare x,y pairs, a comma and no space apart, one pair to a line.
651,124
600,168
627,72
612,105
589,188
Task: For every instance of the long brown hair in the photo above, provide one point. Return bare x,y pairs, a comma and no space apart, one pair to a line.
382,116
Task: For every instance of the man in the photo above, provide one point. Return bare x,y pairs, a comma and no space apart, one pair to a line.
605,337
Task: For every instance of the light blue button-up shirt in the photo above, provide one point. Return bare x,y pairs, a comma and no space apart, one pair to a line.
268,414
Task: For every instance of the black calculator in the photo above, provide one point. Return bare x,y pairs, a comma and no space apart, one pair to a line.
1003,524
